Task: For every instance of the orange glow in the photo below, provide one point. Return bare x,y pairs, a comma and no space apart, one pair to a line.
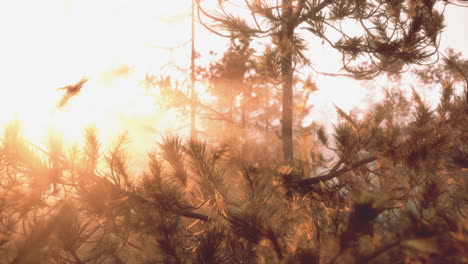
49,44
54,43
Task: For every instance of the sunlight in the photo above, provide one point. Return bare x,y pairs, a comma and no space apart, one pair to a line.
54,43
132,132
113,44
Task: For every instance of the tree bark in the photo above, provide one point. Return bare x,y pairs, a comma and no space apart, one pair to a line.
285,48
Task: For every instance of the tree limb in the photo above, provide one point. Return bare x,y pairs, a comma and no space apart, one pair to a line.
331,175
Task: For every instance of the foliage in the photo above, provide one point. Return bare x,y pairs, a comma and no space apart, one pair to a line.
387,36
452,69
395,192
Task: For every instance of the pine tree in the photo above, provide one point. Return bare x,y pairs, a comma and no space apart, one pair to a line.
391,34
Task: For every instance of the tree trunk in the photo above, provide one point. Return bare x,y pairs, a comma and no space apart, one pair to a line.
285,48
244,131
193,96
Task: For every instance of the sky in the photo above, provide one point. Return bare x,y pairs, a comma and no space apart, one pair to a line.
49,44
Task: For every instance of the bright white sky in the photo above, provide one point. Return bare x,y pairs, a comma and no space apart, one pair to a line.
46,44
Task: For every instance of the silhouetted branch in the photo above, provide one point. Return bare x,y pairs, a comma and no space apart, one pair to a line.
337,173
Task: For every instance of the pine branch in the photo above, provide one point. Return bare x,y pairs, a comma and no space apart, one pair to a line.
185,213
190,214
331,175
312,11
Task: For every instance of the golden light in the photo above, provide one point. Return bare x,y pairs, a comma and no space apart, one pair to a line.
53,43
114,44
49,44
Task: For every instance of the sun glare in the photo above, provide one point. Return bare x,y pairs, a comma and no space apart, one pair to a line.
54,43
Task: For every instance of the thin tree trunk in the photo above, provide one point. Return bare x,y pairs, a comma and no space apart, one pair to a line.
286,35
193,96
244,131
